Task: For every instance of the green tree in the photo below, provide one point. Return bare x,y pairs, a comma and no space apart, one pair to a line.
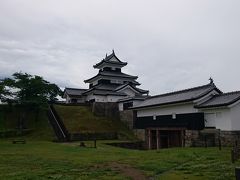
29,93
27,89
4,93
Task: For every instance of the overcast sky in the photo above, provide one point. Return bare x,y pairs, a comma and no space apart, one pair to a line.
169,44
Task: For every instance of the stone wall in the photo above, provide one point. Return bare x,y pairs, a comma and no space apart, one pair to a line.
107,109
140,134
211,137
127,118
190,137
229,138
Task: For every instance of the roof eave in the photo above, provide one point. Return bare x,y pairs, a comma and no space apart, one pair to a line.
107,94
218,105
162,104
122,64
212,106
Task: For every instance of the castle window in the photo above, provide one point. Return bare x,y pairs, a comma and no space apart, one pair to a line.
154,117
127,105
173,115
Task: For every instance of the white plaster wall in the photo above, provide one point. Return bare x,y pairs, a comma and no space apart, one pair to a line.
68,99
99,98
120,106
235,117
113,98
89,97
221,117
177,109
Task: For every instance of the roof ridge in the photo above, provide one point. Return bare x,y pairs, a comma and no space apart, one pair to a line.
184,90
108,57
75,88
228,93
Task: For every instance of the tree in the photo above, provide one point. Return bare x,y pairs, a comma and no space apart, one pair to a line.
29,93
26,89
4,93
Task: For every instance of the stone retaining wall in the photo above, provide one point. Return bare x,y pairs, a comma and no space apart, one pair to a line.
127,118
211,137
107,109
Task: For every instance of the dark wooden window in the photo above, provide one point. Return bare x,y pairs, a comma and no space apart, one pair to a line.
104,81
107,69
127,105
73,100
118,70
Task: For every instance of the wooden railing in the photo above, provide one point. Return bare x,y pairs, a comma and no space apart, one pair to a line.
57,124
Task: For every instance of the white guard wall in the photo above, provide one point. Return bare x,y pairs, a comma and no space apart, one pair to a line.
113,98
174,109
219,118
99,98
235,117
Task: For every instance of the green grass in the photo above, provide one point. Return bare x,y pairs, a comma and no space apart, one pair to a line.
47,160
81,119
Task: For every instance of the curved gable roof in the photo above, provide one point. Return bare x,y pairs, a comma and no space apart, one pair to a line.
108,60
219,100
141,91
186,95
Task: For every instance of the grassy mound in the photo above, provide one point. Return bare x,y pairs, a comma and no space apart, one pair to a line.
80,119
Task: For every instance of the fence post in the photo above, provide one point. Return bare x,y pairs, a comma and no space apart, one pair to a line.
237,173
219,144
95,143
232,156
205,141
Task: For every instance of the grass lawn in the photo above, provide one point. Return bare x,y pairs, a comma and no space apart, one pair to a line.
47,160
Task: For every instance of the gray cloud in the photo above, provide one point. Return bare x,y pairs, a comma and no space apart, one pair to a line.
170,45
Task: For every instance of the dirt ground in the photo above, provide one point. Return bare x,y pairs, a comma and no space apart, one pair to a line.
125,170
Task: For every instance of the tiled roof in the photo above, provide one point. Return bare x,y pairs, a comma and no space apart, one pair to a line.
137,89
105,93
108,58
140,98
74,91
224,99
106,86
186,95
114,74
117,74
